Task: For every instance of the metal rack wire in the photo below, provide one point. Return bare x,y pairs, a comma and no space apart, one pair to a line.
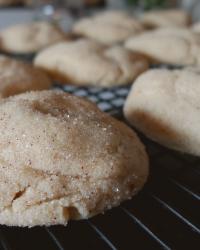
165,215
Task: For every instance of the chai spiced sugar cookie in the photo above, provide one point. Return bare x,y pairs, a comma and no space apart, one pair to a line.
30,37
62,158
86,62
109,27
176,46
165,106
17,77
166,18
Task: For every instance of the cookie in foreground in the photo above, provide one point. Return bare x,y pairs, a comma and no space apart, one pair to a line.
62,158
165,106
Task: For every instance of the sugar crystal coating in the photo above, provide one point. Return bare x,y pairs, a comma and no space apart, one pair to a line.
62,158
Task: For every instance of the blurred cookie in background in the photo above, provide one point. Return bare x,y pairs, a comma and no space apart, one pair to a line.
18,77
166,18
174,46
30,37
109,27
87,62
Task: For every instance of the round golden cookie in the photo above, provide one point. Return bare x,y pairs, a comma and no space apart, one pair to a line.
17,77
86,62
30,37
62,158
176,46
165,106
109,27
166,18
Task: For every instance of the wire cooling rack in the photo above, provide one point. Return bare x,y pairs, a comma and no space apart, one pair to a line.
109,100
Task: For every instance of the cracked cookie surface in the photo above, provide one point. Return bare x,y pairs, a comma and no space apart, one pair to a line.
165,106
176,46
86,62
62,158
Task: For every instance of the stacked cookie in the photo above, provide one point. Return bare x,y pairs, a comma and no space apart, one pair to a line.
62,158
